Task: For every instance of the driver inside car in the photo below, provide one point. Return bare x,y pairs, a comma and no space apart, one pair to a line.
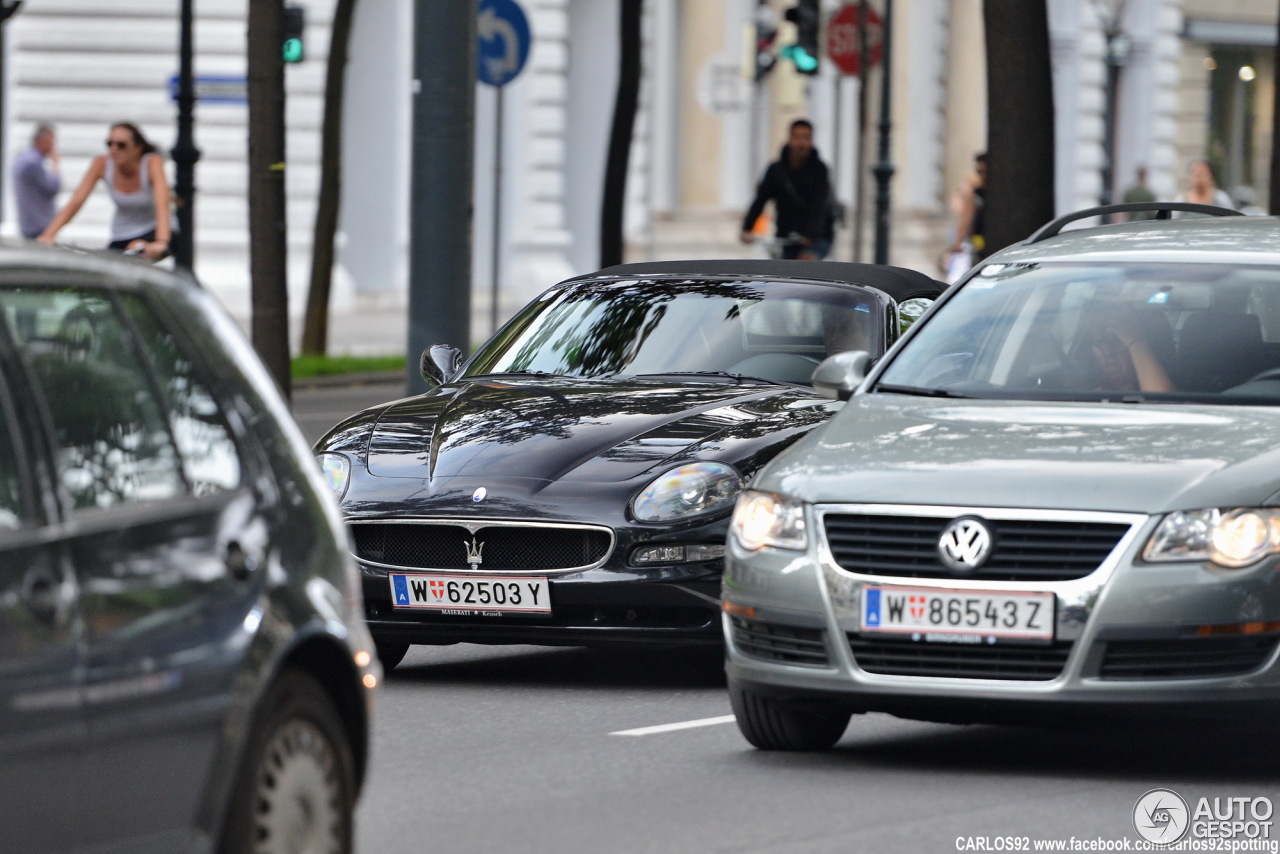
1124,360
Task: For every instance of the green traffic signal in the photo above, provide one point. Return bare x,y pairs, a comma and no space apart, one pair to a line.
295,25
805,62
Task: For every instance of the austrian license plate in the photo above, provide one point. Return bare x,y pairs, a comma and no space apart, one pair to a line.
491,596
957,616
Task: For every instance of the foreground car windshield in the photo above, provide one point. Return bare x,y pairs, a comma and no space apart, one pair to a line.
1201,332
777,331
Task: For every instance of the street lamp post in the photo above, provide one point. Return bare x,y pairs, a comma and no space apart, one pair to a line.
185,153
883,170
1117,54
8,8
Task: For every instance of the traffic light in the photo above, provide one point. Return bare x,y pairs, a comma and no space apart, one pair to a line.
295,22
766,33
804,53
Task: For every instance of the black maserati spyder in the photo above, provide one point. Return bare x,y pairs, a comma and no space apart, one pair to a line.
571,482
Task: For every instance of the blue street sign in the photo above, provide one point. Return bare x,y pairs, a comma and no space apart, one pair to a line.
504,37
215,88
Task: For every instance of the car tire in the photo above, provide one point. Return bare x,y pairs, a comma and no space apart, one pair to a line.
296,786
773,724
391,654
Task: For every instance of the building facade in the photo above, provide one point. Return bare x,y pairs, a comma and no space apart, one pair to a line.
1137,83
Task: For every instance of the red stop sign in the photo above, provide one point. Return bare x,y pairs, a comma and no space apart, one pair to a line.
844,44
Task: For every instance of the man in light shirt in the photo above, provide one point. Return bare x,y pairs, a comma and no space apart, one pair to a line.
36,181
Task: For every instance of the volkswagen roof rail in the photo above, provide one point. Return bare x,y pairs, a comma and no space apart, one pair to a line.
1163,211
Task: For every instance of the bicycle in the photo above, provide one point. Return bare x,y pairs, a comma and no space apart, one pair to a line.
778,245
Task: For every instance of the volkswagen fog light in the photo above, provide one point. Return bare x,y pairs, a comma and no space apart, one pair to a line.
764,519
336,470
690,490
1235,537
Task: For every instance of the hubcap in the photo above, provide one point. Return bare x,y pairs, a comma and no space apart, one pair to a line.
298,794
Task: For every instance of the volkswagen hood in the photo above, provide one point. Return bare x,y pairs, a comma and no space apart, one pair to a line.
895,449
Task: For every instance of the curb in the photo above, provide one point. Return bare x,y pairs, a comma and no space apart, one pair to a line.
355,379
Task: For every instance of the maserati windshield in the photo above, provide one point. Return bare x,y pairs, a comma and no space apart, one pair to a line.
774,331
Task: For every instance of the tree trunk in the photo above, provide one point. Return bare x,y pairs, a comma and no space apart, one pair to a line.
1020,117
625,103
267,247
1274,206
315,329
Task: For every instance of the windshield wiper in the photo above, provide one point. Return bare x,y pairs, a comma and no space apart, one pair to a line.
541,375
713,374
921,392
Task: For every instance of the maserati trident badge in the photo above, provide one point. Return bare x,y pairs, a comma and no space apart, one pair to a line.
479,494
965,544
474,551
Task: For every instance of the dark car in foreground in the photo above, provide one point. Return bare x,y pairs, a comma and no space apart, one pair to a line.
1059,497
571,482
183,660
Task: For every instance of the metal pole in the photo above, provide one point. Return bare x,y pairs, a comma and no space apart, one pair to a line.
185,153
883,169
440,200
8,8
497,210
864,58
836,147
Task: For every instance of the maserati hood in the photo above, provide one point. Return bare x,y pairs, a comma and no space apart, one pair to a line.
885,448
555,430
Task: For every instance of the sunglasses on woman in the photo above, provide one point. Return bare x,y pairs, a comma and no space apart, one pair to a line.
117,143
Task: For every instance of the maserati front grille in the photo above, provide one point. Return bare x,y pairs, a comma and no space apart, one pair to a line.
490,548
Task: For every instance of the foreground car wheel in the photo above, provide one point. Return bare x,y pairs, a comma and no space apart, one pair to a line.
772,724
391,654
296,788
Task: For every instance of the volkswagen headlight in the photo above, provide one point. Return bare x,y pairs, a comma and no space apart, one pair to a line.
1235,537
765,519
689,490
336,470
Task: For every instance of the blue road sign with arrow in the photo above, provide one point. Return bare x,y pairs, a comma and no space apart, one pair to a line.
504,37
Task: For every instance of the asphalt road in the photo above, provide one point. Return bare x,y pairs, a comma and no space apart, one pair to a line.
528,749
316,408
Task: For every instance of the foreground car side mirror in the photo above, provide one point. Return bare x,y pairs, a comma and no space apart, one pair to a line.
439,363
837,376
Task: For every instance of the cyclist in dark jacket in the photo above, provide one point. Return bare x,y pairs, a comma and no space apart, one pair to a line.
800,187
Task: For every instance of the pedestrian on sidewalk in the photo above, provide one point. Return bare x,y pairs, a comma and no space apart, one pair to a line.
133,171
799,185
36,181
968,240
1138,191
1202,188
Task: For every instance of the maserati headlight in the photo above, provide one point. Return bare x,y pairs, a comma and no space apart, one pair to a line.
336,470
689,490
1234,537
765,519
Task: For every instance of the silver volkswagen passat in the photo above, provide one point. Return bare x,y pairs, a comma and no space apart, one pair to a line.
1059,493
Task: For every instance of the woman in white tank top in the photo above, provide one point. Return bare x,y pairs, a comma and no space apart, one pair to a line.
134,175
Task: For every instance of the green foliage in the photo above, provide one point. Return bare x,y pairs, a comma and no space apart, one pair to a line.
327,366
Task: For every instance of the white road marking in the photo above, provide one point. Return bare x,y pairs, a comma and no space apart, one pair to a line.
654,730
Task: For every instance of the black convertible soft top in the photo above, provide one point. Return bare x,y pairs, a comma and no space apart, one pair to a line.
898,282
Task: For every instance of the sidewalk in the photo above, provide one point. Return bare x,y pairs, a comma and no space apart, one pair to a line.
354,331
